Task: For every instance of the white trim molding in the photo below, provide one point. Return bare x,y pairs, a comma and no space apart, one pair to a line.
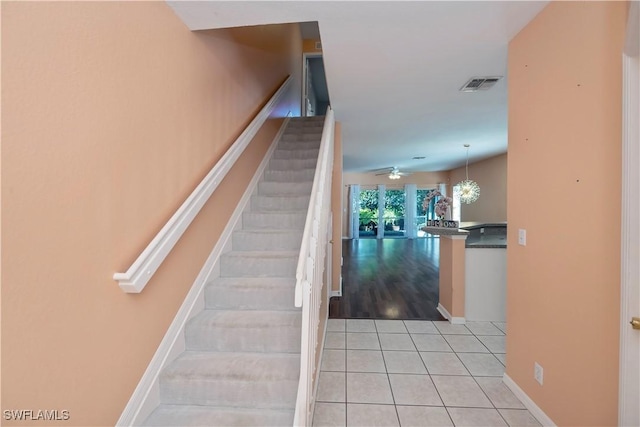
138,275
527,402
629,375
146,396
453,320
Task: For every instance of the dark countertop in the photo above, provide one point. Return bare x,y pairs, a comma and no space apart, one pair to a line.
442,231
480,235
490,241
471,225
485,234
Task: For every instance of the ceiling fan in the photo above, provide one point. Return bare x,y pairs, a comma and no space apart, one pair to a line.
393,172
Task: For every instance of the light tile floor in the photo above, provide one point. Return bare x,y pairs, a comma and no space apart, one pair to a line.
415,373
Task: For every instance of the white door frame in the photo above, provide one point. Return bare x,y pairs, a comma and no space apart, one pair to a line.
629,392
305,75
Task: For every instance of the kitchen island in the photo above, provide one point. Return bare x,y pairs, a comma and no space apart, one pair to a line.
472,271
485,271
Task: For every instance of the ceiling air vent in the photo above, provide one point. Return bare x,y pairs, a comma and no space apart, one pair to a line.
318,45
475,84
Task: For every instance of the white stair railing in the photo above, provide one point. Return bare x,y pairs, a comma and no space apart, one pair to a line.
309,274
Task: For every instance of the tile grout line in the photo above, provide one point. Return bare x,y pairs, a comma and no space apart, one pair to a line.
346,416
476,381
430,376
386,371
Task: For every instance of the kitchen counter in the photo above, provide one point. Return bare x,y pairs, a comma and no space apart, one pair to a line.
473,271
485,234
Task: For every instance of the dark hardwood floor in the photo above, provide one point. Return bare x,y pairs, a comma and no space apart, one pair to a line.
388,279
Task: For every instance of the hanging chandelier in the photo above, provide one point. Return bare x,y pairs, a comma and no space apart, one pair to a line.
469,189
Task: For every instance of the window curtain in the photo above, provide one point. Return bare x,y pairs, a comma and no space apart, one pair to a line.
410,206
381,190
354,211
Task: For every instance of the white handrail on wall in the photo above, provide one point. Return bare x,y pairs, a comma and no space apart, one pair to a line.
309,273
143,268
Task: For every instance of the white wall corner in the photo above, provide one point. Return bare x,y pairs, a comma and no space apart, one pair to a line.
528,402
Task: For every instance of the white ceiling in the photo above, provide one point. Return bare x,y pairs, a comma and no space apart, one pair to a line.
394,70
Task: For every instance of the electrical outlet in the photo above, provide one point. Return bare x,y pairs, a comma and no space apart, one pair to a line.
522,237
538,373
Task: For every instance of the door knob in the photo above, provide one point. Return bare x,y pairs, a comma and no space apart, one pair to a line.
635,322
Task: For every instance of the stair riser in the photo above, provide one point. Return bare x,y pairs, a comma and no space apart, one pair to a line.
273,220
292,164
270,188
279,339
303,138
198,416
304,175
249,298
295,145
237,266
296,154
272,394
314,124
275,203
257,241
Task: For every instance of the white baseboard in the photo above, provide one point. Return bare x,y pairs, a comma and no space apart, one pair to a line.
528,403
453,320
146,396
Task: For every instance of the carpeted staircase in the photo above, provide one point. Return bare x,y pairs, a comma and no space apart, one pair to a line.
242,360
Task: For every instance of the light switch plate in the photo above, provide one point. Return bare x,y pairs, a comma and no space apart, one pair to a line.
522,237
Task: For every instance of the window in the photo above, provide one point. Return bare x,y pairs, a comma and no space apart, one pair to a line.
394,213
455,208
368,216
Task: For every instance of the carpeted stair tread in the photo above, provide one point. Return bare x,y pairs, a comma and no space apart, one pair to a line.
232,379
234,366
251,293
266,238
192,416
245,331
283,204
282,220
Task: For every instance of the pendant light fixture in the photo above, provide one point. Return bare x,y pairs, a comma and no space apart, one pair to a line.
469,189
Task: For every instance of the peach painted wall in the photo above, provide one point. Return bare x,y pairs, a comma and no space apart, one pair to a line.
491,176
564,177
452,274
112,113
